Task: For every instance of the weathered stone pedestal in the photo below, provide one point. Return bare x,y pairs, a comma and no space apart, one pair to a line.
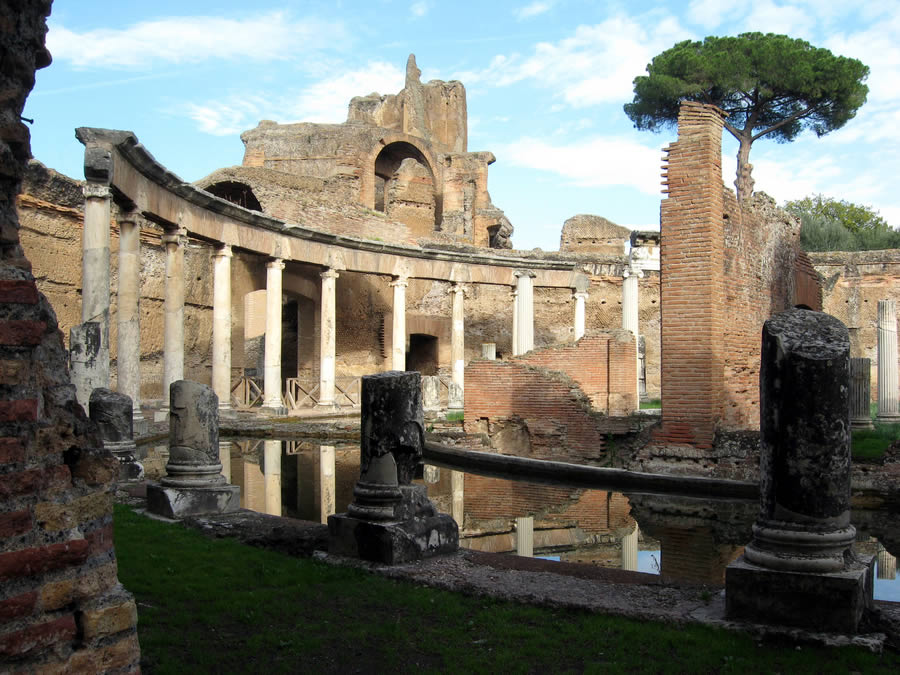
390,520
114,415
799,568
194,484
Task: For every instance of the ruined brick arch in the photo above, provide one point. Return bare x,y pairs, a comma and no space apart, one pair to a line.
236,193
403,145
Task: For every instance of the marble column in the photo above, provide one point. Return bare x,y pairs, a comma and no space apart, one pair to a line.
580,297
524,312
525,536
326,482
888,404
489,351
398,340
272,473
174,242
458,336
225,458
272,358
631,318
221,334
887,565
630,549
860,393
128,293
95,272
515,319
327,338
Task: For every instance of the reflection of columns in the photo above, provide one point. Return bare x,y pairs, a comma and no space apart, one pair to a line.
272,357
888,408
272,471
457,492
128,291
327,338
398,341
525,536
580,297
887,565
173,344
221,336
458,336
95,271
630,549
326,482
524,312
225,459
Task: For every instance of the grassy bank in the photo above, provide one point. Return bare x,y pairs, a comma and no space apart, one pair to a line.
218,606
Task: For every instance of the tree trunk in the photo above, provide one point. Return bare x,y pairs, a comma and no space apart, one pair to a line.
744,182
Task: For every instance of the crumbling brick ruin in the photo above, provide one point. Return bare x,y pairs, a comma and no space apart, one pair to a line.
62,608
726,267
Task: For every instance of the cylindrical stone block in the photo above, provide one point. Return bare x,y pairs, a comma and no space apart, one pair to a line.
489,351
193,436
431,392
804,522
860,393
888,403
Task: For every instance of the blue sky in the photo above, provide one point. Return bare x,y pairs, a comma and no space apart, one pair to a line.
546,81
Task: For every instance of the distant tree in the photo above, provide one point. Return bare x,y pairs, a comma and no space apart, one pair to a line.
828,224
855,217
766,84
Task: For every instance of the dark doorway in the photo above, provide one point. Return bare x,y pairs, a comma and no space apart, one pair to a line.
422,354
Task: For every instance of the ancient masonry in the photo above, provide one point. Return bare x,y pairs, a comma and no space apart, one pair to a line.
62,608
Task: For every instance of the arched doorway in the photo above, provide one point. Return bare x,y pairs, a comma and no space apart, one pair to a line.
237,193
404,185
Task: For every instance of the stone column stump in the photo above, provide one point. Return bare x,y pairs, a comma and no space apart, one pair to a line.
114,415
390,520
860,393
431,392
194,484
799,569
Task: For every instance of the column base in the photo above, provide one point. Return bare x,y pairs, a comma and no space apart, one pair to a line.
275,410
392,542
887,418
177,503
861,423
826,602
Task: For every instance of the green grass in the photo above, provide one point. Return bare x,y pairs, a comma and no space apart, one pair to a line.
208,605
651,404
454,416
869,445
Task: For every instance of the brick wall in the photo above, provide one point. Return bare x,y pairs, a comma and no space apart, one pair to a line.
62,608
725,269
557,394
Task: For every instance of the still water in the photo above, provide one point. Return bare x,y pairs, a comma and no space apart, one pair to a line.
679,538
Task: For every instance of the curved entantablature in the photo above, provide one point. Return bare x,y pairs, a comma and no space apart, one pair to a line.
163,197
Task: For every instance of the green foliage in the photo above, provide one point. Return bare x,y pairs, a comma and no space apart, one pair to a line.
855,217
455,415
869,445
213,605
766,84
651,404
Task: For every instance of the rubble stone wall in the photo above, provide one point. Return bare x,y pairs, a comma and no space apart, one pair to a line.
62,608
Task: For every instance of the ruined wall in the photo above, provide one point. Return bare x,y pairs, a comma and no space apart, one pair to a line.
537,406
62,608
725,269
853,283
593,234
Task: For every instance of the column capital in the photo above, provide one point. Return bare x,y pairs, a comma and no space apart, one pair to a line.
130,216
524,273
96,191
330,273
583,295
402,281
633,272
177,236
223,251
459,288
276,264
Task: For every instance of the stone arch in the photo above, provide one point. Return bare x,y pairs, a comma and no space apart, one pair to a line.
236,193
387,156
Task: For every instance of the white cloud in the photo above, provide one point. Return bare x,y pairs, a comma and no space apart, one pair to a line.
712,13
323,101
597,64
531,10
193,39
767,17
592,162
420,9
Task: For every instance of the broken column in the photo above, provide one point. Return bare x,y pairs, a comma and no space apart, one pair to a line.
391,520
860,393
799,568
489,351
431,392
888,404
85,345
113,414
194,484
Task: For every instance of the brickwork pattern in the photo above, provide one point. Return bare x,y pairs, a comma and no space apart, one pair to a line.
558,394
62,608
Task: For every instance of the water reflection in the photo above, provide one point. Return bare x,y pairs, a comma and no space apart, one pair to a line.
679,538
